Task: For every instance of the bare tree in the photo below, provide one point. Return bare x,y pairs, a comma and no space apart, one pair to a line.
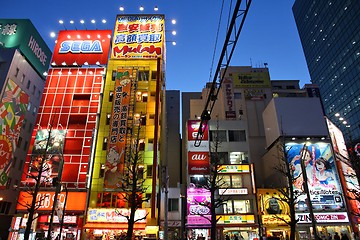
132,186
287,195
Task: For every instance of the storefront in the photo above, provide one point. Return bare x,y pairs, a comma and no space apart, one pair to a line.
73,215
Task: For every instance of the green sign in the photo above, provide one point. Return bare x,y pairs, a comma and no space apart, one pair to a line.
21,34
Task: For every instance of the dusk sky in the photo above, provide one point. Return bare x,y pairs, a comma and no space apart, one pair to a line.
268,36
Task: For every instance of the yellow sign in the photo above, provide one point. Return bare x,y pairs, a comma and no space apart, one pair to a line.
275,219
231,219
260,78
138,37
235,168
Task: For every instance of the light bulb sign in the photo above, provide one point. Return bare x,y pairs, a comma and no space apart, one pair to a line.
138,37
81,47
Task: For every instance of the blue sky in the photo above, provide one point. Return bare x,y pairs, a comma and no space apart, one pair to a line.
268,36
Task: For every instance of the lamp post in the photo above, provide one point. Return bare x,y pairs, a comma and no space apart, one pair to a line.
306,189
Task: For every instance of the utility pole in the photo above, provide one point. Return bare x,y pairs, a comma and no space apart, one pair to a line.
165,182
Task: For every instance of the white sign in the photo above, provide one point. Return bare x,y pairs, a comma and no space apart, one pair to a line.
233,191
329,217
204,146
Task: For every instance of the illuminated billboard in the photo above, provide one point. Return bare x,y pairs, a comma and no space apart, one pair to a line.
255,79
193,129
197,201
13,107
115,215
322,176
271,207
21,34
82,47
138,37
118,128
198,163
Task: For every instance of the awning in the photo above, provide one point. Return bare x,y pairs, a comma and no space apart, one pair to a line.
113,226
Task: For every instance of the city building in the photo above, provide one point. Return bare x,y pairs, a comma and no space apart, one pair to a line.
297,134
63,139
329,34
24,58
132,121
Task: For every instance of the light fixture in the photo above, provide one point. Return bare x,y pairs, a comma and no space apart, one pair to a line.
86,63
141,8
337,114
121,8
53,63
156,8
173,43
173,32
173,21
52,34
103,21
45,73
93,21
63,63
75,63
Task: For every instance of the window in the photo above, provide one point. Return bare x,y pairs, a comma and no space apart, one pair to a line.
22,78
16,72
28,84
153,75
237,136
149,169
236,181
113,75
34,111
218,136
239,157
221,157
108,116
173,204
237,95
143,75
111,96
150,144
34,89
105,142
19,142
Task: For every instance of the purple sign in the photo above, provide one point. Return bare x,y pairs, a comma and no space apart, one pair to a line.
198,206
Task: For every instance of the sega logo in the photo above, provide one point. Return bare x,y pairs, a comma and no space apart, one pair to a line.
81,46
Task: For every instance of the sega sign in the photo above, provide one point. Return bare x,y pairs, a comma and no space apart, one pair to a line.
86,46
81,47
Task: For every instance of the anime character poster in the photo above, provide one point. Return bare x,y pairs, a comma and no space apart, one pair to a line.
322,176
118,128
13,107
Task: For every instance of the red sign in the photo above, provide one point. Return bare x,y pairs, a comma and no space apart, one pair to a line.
198,162
82,47
193,129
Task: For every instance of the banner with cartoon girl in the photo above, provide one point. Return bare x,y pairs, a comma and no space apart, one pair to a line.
322,176
118,129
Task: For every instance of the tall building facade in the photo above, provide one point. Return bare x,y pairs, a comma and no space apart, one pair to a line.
131,119
329,33
25,58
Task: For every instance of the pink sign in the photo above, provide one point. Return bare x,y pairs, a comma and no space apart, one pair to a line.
198,204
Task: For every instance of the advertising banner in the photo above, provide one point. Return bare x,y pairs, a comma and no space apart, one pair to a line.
258,78
80,46
329,217
197,201
114,215
138,37
228,92
322,176
76,201
118,128
198,163
13,107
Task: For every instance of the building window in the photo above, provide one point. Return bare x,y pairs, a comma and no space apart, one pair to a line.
28,84
236,181
22,78
34,111
173,204
17,72
237,136
34,89
113,75
237,95
220,157
149,169
153,75
111,96
218,136
143,75
105,142
150,144
108,116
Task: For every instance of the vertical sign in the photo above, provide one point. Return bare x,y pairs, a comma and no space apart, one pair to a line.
228,91
118,129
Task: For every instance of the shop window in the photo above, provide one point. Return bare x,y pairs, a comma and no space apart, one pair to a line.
226,180
236,181
173,204
228,207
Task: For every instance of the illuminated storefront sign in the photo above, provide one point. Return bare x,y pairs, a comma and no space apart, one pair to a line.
275,219
323,179
329,217
82,47
21,33
270,203
193,129
75,200
118,128
198,200
198,163
114,215
12,113
244,168
138,36
233,191
236,219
